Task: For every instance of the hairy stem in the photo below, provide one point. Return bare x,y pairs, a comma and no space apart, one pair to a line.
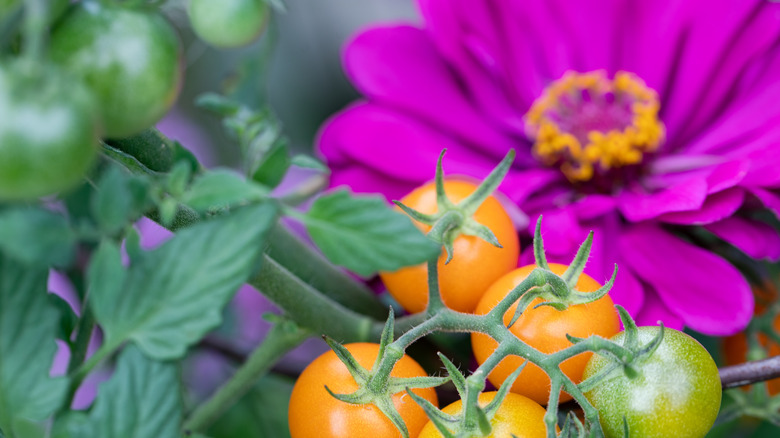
309,307
302,261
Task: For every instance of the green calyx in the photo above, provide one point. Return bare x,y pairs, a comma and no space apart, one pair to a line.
473,420
376,386
559,292
452,220
624,356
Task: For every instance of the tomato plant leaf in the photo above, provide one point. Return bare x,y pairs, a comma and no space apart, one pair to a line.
114,204
37,236
274,164
363,234
309,162
174,294
141,400
28,325
220,189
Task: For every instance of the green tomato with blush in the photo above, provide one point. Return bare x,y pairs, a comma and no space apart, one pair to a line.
676,390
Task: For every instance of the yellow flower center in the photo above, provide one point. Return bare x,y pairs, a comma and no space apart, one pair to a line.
589,124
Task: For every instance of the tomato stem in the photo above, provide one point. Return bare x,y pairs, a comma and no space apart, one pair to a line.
282,338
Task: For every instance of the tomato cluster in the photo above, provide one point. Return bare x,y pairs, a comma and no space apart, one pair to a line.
111,69
671,388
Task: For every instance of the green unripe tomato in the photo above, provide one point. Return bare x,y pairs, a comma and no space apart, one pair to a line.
48,132
129,57
677,391
228,23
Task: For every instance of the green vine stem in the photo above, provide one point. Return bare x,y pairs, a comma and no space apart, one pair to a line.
302,261
83,335
309,307
283,337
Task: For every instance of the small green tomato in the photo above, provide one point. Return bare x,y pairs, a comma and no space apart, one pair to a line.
228,23
48,132
676,393
130,57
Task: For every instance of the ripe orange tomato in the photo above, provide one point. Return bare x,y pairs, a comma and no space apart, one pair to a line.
517,415
475,265
545,329
315,413
735,347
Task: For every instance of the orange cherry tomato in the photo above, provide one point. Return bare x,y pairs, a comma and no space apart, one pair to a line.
475,265
545,329
735,347
315,413
517,415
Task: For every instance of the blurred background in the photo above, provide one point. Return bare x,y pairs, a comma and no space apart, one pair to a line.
295,68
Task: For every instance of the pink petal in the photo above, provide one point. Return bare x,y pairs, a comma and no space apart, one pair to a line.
628,291
593,206
764,162
756,239
374,144
726,175
708,293
684,196
395,144
362,179
604,255
746,119
671,44
401,68
655,311
561,231
717,207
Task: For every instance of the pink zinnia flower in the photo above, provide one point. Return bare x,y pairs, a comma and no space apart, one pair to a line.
644,121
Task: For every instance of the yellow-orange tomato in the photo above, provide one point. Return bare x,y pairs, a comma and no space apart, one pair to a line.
735,347
517,415
475,265
315,413
545,329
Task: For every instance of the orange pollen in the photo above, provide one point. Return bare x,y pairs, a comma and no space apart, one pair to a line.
589,124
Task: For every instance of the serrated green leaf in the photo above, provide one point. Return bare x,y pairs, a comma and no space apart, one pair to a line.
28,324
218,104
222,188
112,204
141,400
175,294
179,178
37,236
363,234
273,166
309,162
